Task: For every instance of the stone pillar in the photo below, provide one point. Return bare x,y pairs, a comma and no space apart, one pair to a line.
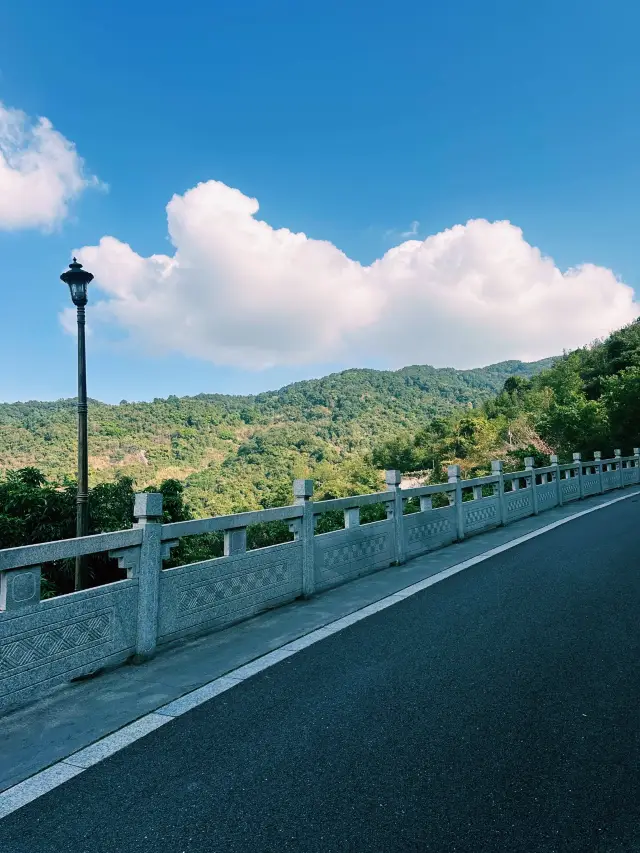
235,541
597,458
636,453
147,511
529,463
577,458
553,459
352,517
302,496
453,476
618,463
393,479
496,468
426,503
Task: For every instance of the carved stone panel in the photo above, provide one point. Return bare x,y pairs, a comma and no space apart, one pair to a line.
213,593
481,514
518,504
547,496
590,484
62,637
352,552
19,588
428,530
570,489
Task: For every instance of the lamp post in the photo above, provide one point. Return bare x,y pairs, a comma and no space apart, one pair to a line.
78,279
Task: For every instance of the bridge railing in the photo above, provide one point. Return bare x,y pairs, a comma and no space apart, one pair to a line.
48,642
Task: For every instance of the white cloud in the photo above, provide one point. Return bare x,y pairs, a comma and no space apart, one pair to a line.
239,292
40,172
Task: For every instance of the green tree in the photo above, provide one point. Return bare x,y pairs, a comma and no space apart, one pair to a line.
621,400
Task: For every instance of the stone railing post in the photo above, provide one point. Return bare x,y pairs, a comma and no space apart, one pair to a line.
618,464
393,480
553,460
426,503
147,511
636,453
597,458
498,489
453,476
351,517
235,541
305,531
577,458
529,463
19,587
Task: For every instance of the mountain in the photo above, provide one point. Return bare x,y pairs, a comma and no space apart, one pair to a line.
241,452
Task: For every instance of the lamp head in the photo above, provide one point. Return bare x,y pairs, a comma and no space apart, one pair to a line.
77,279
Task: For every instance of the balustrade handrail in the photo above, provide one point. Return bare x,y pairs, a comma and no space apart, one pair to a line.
424,491
517,475
488,480
352,501
220,523
61,549
548,469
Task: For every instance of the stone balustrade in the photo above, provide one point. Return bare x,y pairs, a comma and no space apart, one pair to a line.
44,643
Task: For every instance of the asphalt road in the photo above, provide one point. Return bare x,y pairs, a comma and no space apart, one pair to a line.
496,711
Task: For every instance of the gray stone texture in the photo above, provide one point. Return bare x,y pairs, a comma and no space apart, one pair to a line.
216,593
65,637
19,588
347,554
426,531
148,505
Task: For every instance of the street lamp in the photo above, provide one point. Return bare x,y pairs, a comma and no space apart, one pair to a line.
78,279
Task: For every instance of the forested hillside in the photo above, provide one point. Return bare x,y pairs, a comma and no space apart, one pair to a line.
588,400
237,452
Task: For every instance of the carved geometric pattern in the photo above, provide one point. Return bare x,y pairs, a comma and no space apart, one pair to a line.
570,487
215,592
630,475
476,516
352,551
52,642
546,495
427,531
24,586
128,558
514,504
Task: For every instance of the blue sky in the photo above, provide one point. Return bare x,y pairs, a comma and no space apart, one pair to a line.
348,122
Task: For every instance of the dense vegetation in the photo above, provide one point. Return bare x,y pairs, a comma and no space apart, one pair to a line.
34,510
235,453
214,454
588,400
